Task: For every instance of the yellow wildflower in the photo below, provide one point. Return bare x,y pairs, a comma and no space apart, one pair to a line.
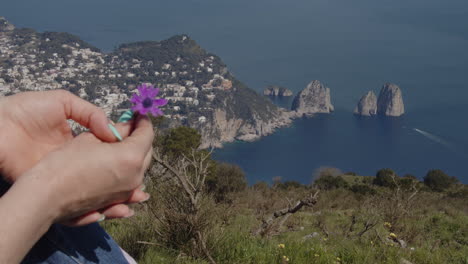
392,235
325,239
338,258
317,255
372,242
387,224
285,258
281,246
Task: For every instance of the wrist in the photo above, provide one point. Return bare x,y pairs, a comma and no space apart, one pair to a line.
26,216
34,194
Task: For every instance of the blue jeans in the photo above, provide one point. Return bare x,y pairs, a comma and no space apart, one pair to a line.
73,245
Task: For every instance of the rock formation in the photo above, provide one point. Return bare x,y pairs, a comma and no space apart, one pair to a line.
274,90
390,101
367,106
315,98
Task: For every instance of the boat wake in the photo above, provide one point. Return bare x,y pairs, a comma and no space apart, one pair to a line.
436,139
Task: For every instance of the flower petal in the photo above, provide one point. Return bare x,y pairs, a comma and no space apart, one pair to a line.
144,111
152,92
135,99
159,102
156,112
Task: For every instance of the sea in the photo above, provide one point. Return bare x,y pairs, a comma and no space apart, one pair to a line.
350,46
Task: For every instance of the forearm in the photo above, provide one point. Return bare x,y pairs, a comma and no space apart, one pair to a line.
25,215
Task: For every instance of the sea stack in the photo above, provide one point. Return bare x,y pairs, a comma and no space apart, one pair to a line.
315,98
274,90
390,101
367,106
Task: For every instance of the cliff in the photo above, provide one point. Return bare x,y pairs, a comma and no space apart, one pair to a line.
315,98
274,90
202,93
390,101
367,105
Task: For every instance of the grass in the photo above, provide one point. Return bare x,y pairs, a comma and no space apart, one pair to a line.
435,229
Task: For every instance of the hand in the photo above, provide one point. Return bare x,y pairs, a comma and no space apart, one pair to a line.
34,124
97,174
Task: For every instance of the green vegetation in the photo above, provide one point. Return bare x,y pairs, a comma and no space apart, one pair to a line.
438,181
385,178
355,219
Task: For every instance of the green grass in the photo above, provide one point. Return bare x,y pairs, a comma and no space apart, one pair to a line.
435,229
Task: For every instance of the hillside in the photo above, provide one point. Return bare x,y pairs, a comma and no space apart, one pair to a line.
202,93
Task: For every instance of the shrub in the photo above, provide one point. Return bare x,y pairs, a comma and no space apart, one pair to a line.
180,141
226,179
326,171
385,178
407,182
330,182
288,185
362,189
438,181
261,186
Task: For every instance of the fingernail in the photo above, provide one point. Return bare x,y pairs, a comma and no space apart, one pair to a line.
112,122
115,132
143,187
102,218
126,116
130,213
148,196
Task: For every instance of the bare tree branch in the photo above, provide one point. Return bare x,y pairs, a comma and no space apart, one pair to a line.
266,225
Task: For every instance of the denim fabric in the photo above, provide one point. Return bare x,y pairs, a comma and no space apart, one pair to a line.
73,245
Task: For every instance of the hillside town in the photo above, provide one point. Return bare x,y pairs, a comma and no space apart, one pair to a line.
202,93
28,64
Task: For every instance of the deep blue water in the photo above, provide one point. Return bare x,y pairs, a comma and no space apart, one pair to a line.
351,46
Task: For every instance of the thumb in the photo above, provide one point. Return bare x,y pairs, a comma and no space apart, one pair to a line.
87,115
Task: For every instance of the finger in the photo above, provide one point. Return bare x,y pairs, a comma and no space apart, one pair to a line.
86,114
138,196
118,211
125,129
148,159
141,137
86,219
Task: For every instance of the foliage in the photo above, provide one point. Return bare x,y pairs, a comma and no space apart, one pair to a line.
385,178
363,189
226,179
180,141
288,185
328,182
435,231
438,181
361,223
326,171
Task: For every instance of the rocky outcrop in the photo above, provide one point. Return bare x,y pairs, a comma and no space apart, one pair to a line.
315,98
274,90
367,106
224,128
390,101
5,25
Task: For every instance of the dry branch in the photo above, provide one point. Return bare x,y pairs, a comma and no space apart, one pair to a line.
268,223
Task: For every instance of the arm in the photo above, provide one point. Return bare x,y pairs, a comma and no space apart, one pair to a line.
26,214
33,124
106,173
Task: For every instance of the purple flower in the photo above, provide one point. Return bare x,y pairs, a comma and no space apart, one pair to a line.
146,101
